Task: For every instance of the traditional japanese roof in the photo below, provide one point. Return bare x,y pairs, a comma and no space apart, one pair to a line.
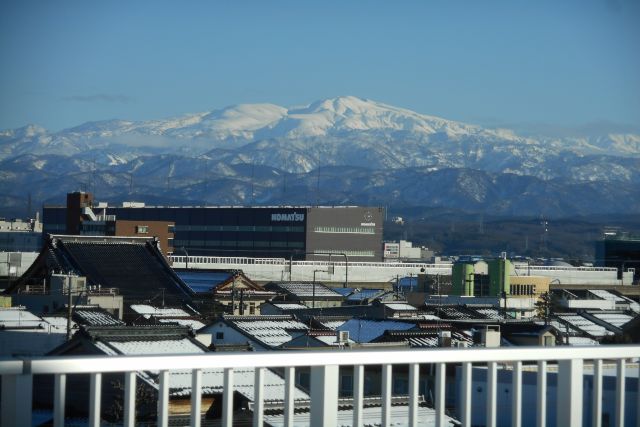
305,290
94,316
424,337
148,310
150,340
270,331
219,282
133,265
371,416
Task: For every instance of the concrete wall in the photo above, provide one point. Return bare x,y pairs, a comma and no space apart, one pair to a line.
352,230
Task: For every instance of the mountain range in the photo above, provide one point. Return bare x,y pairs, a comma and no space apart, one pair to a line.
343,150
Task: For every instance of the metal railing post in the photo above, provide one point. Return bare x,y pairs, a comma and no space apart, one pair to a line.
16,400
569,409
324,395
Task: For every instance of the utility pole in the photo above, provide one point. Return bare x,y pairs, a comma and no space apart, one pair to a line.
69,308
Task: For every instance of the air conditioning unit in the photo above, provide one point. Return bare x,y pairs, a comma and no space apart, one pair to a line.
444,338
343,337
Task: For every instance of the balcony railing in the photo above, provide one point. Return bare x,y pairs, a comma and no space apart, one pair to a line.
17,383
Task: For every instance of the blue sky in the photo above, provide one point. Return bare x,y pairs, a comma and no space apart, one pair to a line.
527,64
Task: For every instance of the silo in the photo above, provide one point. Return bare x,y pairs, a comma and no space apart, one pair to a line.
462,278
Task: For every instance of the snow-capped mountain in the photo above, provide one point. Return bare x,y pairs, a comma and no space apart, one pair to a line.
187,153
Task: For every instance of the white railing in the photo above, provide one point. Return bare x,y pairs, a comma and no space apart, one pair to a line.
17,382
198,259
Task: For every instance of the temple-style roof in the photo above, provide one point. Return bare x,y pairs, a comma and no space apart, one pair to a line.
133,265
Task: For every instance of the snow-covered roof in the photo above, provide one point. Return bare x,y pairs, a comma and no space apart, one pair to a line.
289,306
578,341
192,323
371,417
306,290
490,313
601,293
212,379
332,324
96,318
156,346
272,332
57,324
400,306
585,325
243,380
19,317
147,311
615,319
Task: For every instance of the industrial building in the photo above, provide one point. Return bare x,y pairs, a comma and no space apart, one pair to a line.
301,232
620,250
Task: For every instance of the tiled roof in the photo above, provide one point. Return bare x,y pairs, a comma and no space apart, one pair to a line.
332,324
371,417
362,331
289,306
192,323
270,330
180,380
305,290
92,317
423,338
490,313
147,311
134,266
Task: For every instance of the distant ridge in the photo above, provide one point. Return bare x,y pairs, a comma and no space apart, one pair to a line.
358,151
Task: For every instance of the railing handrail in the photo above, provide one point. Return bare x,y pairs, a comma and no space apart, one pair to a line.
94,364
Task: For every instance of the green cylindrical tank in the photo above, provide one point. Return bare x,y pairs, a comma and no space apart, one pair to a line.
462,278
499,272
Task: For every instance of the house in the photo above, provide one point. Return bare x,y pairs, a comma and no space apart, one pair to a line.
314,295
529,334
280,308
149,340
261,332
228,289
146,314
22,333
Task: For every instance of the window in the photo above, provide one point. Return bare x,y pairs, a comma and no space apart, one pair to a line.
219,335
142,229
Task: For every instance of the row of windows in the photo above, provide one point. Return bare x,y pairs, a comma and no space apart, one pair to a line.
258,228
346,252
522,289
235,243
350,230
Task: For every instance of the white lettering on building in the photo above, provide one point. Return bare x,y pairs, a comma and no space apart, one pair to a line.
281,217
